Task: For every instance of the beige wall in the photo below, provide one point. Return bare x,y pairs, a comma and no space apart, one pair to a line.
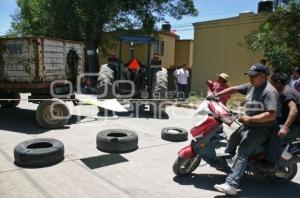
169,50
184,52
217,49
140,52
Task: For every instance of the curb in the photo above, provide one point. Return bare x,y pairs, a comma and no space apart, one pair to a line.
187,106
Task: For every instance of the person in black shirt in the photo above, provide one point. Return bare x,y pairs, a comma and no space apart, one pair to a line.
289,118
258,123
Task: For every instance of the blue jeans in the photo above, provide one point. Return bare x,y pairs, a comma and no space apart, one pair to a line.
276,144
249,139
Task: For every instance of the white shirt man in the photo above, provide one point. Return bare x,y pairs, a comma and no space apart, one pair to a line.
182,81
182,76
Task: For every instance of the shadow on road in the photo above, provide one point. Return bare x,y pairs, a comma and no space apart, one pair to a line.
23,121
20,121
103,160
134,114
251,186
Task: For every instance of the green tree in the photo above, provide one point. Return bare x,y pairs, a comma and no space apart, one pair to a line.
89,20
279,38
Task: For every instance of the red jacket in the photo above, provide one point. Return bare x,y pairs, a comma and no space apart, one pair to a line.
216,87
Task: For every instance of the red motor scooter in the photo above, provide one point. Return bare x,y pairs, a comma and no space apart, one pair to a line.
202,147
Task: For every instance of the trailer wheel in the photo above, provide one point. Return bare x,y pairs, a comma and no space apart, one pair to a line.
16,99
52,114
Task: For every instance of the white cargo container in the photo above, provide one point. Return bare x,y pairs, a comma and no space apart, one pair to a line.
31,64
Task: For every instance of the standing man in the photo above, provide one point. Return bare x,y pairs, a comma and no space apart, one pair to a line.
182,76
175,80
258,123
289,119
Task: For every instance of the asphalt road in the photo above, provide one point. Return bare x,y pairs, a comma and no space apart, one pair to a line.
87,172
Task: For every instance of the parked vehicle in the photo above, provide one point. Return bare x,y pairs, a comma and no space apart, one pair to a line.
31,65
142,84
203,148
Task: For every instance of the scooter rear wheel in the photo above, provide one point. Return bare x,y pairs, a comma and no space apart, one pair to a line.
182,167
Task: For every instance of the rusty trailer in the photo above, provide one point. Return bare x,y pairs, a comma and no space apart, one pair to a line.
44,67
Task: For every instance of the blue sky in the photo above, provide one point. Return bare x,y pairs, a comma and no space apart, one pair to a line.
208,10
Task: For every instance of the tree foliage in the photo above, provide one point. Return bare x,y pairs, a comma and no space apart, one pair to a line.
279,38
87,20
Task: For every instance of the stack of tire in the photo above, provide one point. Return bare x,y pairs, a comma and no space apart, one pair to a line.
106,79
159,91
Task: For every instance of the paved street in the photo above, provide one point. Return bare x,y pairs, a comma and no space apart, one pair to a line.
87,172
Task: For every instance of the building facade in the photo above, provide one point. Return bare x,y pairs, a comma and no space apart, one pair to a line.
220,46
184,52
163,48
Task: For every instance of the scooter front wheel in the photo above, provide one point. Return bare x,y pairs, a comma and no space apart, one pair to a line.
182,167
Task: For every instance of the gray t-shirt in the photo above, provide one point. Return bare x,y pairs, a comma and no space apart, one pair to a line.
259,100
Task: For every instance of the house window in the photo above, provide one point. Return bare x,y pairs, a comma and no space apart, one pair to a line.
159,48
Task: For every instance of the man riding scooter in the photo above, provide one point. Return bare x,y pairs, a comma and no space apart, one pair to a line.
258,123
289,119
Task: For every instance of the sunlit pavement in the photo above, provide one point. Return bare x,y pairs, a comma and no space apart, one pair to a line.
87,172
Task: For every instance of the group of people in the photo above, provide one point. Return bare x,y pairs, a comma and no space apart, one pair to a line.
271,117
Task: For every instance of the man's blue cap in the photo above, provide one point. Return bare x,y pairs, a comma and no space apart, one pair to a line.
258,69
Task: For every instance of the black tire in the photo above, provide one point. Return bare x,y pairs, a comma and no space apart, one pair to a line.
183,167
174,134
105,81
288,172
159,91
10,103
117,141
39,153
44,116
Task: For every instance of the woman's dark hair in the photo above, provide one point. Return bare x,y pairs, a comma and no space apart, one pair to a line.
263,61
281,77
297,69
